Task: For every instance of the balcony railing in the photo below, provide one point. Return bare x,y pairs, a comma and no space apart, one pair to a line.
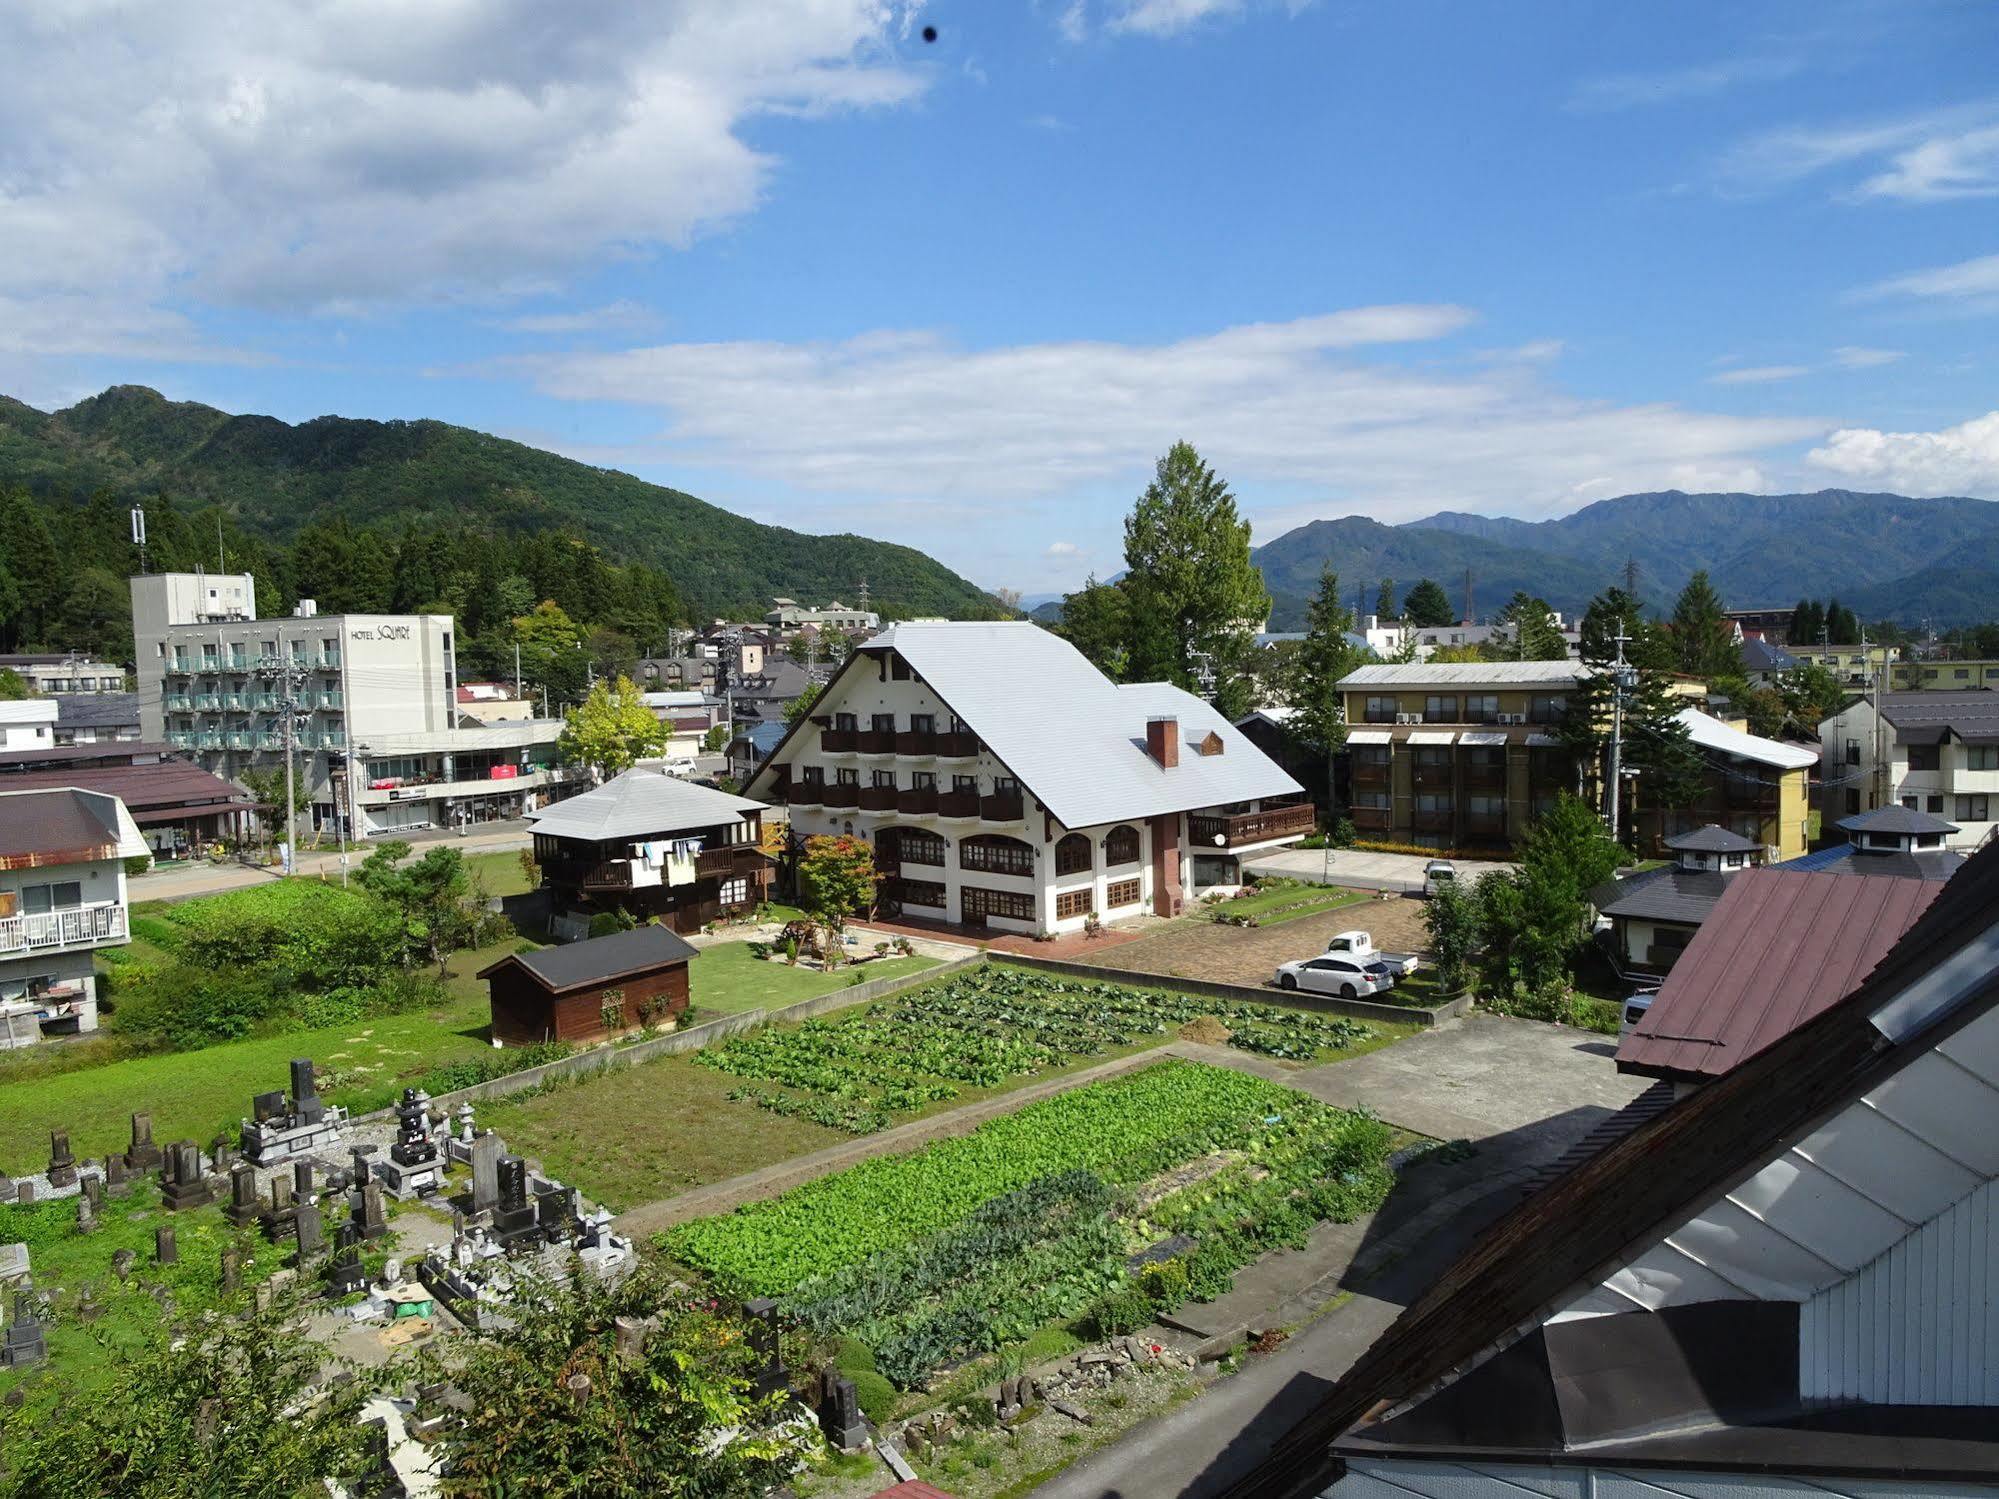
1430,775
270,739
725,862
208,739
207,702
842,795
178,702
334,700
180,739
1217,831
621,874
917,802
876,741
1485,824
804,793
878,798
1432,822
330,660
335,739
957,804
1370,772
1369,818
72,928
958,744
180,669
238,739
837,741
921,742
1001,806
235,702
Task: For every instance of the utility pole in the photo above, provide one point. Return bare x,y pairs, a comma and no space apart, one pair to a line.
1469,616
517,668
1620,680
287,705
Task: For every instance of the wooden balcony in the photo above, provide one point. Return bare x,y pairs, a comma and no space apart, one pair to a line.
1001,806
1486,777
1436,776
957,804
728,861
837,741
1210,830
838,795
622,874
917,802
1370,772
804,793
1370,819
875,741
961,745
1485,825
918,742
878,798
1433,822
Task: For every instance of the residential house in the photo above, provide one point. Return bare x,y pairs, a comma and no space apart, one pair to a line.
1653,915
654,845
589,991
179,809
1773,625
493,702
1933,752
27,723
688,717
1269,730
1888,841
58,673
1763,663
1854,665
778,684
1459,755
1006,783
1778,1285
752,746
1942,676
97,718
1780,947
62,897
1757,787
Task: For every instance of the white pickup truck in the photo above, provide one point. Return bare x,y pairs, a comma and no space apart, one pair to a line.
1361,945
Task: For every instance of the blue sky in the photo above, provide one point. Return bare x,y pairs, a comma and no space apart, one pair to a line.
1376,259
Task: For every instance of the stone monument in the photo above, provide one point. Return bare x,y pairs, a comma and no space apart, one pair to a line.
277,1133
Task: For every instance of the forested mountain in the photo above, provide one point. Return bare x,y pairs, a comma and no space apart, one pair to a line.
273,482
1889,556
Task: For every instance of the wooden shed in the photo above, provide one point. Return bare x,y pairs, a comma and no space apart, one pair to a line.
589,991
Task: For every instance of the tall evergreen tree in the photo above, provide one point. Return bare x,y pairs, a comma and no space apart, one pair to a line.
1384,602
1842,625
1670,769
1195,598
1535,637
1701,638
1326,655
1428,606
1807,620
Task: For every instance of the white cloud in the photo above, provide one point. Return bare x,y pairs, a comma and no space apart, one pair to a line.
1063,549
1670,85
1923,158
1975,281
1854,357
1285,405
1956,460
1160,18
625,315
1537,351
1073,23
1760,374
307,155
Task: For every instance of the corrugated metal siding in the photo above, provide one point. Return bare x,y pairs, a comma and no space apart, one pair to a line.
1435,1480
1919,1325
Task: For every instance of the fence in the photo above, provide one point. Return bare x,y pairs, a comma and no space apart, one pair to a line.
1326,1004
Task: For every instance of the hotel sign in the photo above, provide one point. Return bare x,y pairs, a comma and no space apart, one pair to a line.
383,632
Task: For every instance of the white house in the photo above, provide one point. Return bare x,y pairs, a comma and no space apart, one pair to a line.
27,723
62,896
1930,752
1007,783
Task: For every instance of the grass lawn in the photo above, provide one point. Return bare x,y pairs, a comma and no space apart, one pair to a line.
726,980
195,1093
500,872
1318,897
1313,907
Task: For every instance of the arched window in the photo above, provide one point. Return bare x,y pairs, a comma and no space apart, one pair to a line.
993,853
1072,855
1121,845
921,846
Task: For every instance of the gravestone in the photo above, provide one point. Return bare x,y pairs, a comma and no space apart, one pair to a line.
301,1179
307,1105
771,1375
307,1226
413,1166
486,1153
142,1154
362,1170
244,1202
281,1131
13,1261
840,1416
122,1262
117,1175
25,1341
93,1191
165,1250
6,1187
232,1269
513,1215
374,1218
86,1215
88,1307
222,1154
182,1182
24,1192
278,1218
267,1108
62,1165
346,1274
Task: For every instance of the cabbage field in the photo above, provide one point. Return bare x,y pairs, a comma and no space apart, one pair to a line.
1172,1177
983,1028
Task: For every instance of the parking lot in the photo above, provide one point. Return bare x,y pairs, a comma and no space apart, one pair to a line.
1201,949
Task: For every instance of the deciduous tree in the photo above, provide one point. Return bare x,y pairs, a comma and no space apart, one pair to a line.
612,729
1096,620
836,878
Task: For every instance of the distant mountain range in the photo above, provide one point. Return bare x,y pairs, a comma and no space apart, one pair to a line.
1888,556
273,478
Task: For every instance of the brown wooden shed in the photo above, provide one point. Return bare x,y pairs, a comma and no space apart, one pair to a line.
562,993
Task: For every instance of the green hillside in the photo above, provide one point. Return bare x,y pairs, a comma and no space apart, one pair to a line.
272,480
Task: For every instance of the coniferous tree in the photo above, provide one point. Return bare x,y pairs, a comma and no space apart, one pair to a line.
1701,637
1428,606
1670,769
1384,602
1535,637
1807,620
1325,656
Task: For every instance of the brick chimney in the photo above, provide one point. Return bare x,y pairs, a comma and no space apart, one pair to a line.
1162,740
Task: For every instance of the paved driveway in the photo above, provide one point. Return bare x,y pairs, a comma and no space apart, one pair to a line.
1201,949
1360,869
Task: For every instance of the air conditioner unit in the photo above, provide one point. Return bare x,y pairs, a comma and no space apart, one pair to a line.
1408,718
1513,718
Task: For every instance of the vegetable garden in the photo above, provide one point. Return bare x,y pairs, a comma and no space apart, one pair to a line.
979,1030
1110,1202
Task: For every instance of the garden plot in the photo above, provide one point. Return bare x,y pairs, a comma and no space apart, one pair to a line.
1081,1206
980,1030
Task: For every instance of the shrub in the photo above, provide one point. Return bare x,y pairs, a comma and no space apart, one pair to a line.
138,864
852,1356
610,923
484,1069
156,930
875,1394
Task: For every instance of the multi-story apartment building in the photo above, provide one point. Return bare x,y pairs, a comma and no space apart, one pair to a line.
62,896
1457,755
50,673
1007,783
1756,788
1932,752
789,614
374,724
1855,665
1943,676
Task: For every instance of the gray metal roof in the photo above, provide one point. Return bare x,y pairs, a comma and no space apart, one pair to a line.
1712,839
97,709
641,804
1469,674
1074,738
1682,896
1711,733
579,965
1847,858
1895,820
1922,717
1760,655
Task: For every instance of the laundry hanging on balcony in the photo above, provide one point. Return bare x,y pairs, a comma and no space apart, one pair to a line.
680,861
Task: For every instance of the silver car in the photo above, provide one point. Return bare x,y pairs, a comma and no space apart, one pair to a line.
1349,978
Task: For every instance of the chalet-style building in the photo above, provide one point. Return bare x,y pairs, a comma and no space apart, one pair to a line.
1779,1285
1005,782
654,845
1459,755
589,991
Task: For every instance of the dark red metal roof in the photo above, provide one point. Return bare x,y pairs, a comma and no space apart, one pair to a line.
41,827
1780,947
148,791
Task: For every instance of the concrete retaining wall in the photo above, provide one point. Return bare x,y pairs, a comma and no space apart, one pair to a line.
1324,1004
